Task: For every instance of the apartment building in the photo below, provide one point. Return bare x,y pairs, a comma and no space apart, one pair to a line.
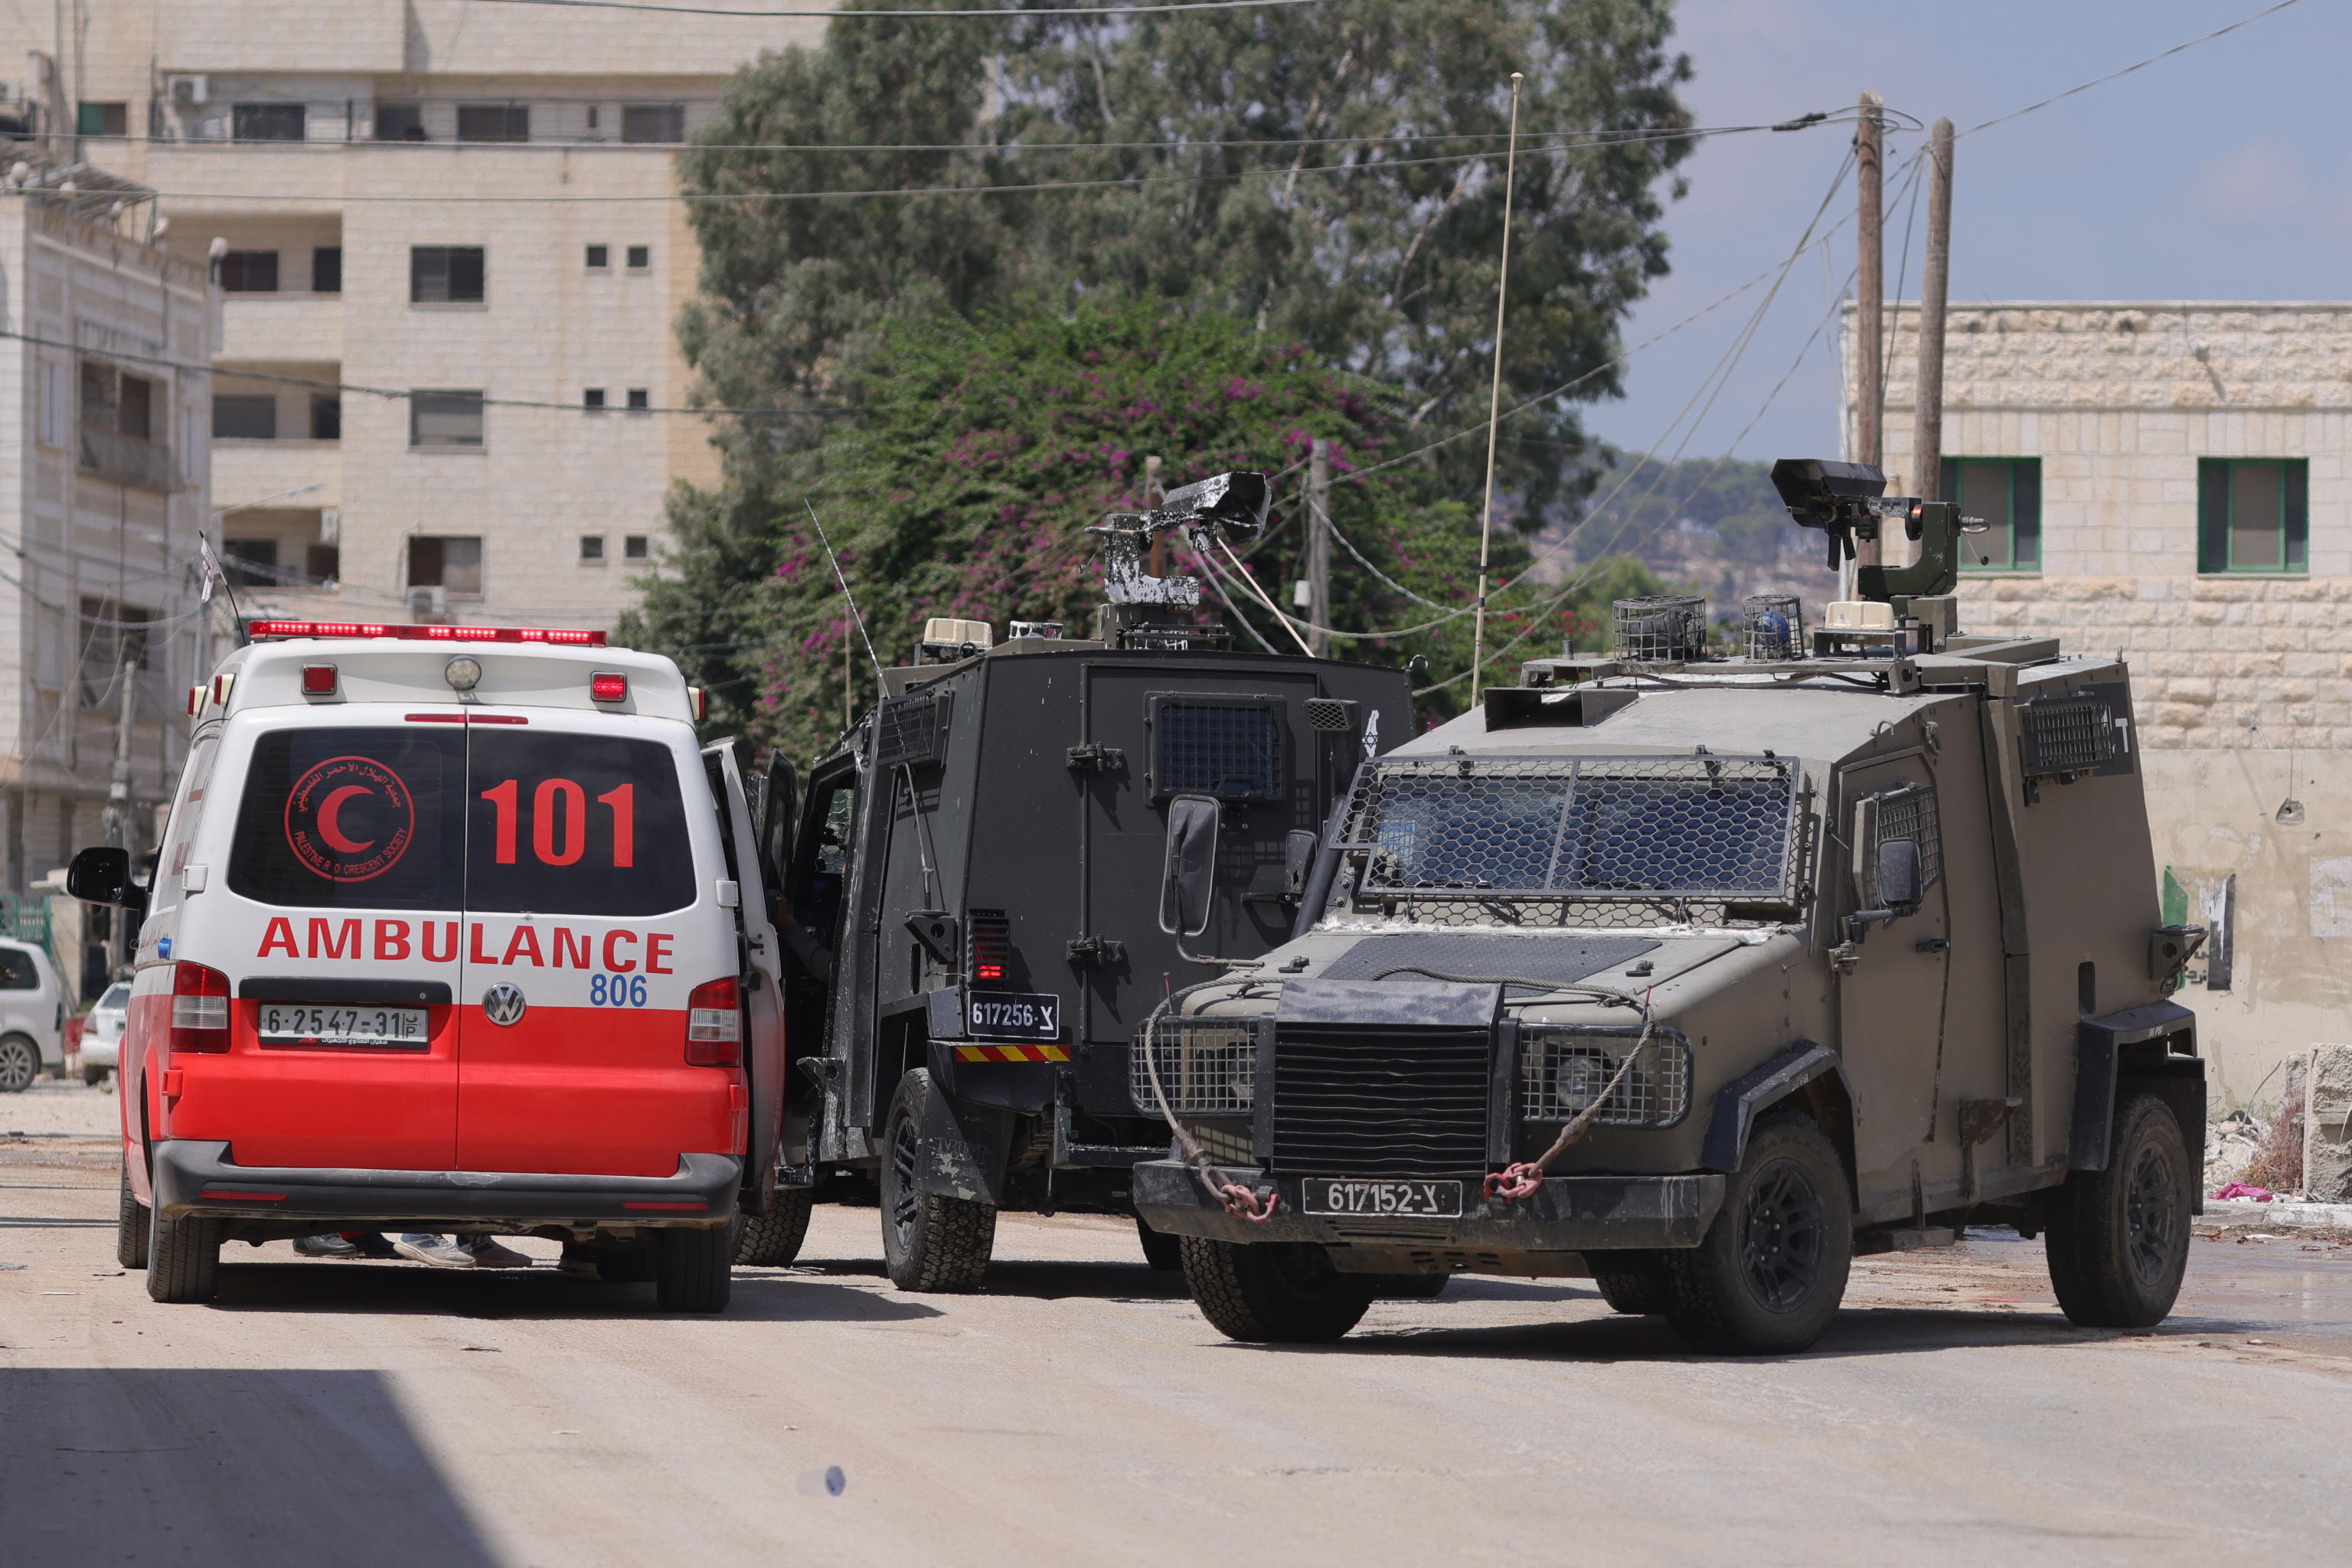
450,262
104,453
2173,482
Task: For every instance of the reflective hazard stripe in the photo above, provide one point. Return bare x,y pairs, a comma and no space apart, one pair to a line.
1013,1053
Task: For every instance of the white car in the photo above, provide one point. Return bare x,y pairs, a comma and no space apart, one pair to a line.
102,1032
32,1017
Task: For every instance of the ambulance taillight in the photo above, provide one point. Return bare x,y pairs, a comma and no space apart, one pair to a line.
199,1008
714,1024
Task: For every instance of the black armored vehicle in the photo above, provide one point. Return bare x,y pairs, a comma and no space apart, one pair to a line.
1698,975
972,891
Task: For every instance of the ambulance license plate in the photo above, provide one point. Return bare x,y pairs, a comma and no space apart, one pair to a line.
379,1029
1416,1200
1013,1015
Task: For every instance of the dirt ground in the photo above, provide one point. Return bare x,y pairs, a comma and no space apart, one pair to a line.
1079,1411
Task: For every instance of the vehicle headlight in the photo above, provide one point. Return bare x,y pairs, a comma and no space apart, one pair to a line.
1564,1067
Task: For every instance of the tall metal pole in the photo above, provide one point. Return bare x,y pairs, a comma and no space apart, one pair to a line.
1935,286
1869,301
1318,546
117,804
1494,399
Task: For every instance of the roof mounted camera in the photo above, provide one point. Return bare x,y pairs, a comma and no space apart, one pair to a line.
1848,501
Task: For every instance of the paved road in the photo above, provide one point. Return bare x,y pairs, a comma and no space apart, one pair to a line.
1081,1412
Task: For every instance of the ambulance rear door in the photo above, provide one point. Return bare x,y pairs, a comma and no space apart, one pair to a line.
763,980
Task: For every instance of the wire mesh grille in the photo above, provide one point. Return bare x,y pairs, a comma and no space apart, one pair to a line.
911,730
1776,625
1229,750
1659,628
1910,813
1335,715
1207,1066
1561,1070
2070,734
1612,841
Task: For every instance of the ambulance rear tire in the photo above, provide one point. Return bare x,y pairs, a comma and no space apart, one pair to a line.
183,1258
131,1223
1279,1292
694,1269
930,1241
772,1240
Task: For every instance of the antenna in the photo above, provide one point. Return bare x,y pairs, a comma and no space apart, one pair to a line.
855,613
213,568
1494,398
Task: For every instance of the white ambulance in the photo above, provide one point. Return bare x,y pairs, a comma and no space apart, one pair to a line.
453,929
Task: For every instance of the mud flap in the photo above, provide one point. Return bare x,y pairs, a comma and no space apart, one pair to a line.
965,1147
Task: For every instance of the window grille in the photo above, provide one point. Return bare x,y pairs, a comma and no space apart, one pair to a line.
1232,750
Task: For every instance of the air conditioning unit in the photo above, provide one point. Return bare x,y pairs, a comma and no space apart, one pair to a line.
188,91
428,606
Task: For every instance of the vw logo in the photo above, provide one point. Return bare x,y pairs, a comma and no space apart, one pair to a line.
504,1004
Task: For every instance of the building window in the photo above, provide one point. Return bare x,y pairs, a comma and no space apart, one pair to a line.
245,416
593,399
494,122
2006,492
592,549
652,122
635,547
445,274
104,120
600,257
322,562
641,257
267,121
112,401
399,122
326,417
445,418
451,565
250,563
639,399
2253,514
326,269
134,409
249,272
53,405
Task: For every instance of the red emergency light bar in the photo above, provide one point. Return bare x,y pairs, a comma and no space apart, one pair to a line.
561,637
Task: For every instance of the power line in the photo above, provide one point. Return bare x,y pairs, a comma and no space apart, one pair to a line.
930,12
2136,65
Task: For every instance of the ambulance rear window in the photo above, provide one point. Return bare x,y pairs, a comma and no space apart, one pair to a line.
576,824
352,818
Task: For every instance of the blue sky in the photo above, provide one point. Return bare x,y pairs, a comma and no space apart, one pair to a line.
2222,173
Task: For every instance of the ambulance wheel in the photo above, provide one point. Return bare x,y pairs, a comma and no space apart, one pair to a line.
1632,1281
1160,1253
2118,1239
20,1064
131,1223
929,1241
694,1269
772,1239
1286,1292
1771,1270
183,1258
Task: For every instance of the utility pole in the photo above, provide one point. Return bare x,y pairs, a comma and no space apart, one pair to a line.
1870,300
1935,286
1318,546
118,806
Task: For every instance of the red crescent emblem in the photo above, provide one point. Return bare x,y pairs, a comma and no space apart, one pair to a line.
314,827
331,830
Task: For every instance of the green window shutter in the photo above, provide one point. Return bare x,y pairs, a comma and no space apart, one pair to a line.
2025,512
2296,482
2175,899
2212,515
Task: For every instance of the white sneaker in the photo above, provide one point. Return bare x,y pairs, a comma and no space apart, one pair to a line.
441,1251
487,1254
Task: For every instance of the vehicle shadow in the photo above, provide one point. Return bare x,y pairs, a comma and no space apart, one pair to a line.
1042,1279
760,1295
149,1464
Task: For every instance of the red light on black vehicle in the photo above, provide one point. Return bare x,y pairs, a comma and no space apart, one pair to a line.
992,946
606,686
199,1008
318,680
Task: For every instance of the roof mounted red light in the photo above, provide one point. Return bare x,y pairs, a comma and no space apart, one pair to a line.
318,680
560,636
607,686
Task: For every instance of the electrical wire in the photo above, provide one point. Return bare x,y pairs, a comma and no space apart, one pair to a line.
2136,65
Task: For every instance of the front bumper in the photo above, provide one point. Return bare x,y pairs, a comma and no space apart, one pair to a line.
194,1177
99,1053
1568,1214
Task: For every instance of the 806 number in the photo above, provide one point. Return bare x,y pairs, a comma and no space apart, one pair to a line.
616,990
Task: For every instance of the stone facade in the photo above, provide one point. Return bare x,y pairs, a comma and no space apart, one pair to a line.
2243,682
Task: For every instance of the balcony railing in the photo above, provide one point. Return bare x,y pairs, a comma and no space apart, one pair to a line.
127,459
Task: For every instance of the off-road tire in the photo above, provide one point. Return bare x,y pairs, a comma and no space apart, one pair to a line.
1769,1275
2118,1239
20,1064
930,1242
694,1269
93,1077
1160,1252
1282,1292
130,1224
772,1239
183,1258
1633,1281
